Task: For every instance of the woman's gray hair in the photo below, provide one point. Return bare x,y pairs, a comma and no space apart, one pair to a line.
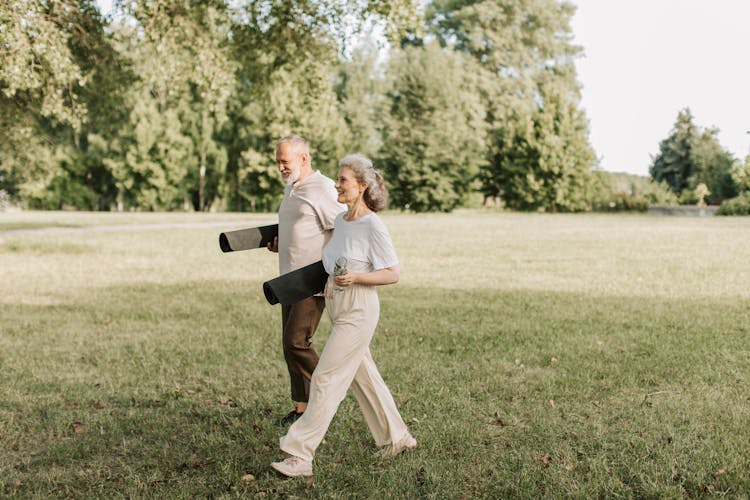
375,196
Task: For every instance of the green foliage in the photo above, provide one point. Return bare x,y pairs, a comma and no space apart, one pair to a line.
285,86
691,156
741,175
38,72
618,192
673,165
173,104
539,157
360,89
544,165
689,197
162,80
433,132
739,205
59,67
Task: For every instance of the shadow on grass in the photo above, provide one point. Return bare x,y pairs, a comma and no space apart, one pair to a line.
159,390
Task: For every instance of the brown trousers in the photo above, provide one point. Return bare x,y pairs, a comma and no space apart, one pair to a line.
299,322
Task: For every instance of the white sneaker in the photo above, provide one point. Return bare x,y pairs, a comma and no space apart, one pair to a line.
293,467
405,443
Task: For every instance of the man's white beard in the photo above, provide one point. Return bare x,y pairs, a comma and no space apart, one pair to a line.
292,178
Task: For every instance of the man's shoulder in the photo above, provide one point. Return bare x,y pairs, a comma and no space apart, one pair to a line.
318,179
318,189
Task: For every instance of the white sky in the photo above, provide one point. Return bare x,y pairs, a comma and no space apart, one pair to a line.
647,59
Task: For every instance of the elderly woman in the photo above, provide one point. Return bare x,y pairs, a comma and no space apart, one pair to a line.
352,304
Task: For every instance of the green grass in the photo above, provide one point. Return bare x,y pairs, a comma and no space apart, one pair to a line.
531,355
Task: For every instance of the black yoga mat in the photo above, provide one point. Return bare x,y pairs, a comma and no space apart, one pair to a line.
247,239
296,285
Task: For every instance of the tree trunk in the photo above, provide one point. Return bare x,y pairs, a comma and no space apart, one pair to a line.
202,180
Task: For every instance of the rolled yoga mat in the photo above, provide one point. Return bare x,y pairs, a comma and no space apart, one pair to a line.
296,285
247,239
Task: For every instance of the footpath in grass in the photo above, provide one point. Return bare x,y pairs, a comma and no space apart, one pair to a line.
530,355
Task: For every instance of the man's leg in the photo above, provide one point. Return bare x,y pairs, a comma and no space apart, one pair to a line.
300,321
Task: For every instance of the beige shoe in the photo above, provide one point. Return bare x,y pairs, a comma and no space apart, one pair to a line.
405,443
293,467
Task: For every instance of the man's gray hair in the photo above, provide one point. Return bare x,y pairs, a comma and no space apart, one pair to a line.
298,142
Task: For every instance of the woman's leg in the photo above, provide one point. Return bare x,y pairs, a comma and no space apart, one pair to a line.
378,406
354,317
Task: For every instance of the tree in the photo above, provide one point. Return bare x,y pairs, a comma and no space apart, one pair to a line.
713,167
175,104
284,77
360,89
433,133
38,74
543,159
179,102
741,175
539,156
691,156
58,66
289,55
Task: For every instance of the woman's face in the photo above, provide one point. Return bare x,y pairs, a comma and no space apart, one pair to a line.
347,186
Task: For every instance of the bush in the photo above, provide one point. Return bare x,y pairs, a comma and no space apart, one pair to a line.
688,197
621,202
619,192
735,206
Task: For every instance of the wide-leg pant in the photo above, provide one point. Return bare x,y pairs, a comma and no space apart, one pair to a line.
345,362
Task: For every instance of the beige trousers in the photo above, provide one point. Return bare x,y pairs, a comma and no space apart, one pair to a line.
345,362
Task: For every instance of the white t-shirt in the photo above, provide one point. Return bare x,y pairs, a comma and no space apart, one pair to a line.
306,218
365,242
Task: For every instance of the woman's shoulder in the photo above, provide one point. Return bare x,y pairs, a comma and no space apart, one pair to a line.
376,224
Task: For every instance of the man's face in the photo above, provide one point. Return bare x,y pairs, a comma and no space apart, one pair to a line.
290,162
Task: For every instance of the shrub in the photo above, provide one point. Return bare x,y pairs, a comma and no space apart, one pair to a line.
621,202
618,192
735,206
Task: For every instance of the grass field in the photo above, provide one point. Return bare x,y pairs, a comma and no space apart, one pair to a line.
531,355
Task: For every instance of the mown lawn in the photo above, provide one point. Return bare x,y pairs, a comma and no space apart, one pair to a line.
531,355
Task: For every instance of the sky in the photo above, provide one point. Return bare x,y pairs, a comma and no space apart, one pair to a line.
645,60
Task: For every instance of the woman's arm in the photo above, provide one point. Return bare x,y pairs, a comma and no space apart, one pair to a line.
385,276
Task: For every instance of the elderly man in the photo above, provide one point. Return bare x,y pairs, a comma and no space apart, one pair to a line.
306,218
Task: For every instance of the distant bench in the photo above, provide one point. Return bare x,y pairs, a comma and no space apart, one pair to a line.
684,210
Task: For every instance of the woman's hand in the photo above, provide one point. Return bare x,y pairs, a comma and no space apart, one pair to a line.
385,276
345,279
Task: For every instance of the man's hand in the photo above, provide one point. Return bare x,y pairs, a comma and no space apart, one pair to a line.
273,246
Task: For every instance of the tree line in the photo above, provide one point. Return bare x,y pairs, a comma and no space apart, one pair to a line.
177,104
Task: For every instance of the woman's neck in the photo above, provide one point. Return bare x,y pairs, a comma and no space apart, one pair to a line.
357,210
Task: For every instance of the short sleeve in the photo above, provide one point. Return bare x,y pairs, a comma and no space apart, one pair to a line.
328,207
381,254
